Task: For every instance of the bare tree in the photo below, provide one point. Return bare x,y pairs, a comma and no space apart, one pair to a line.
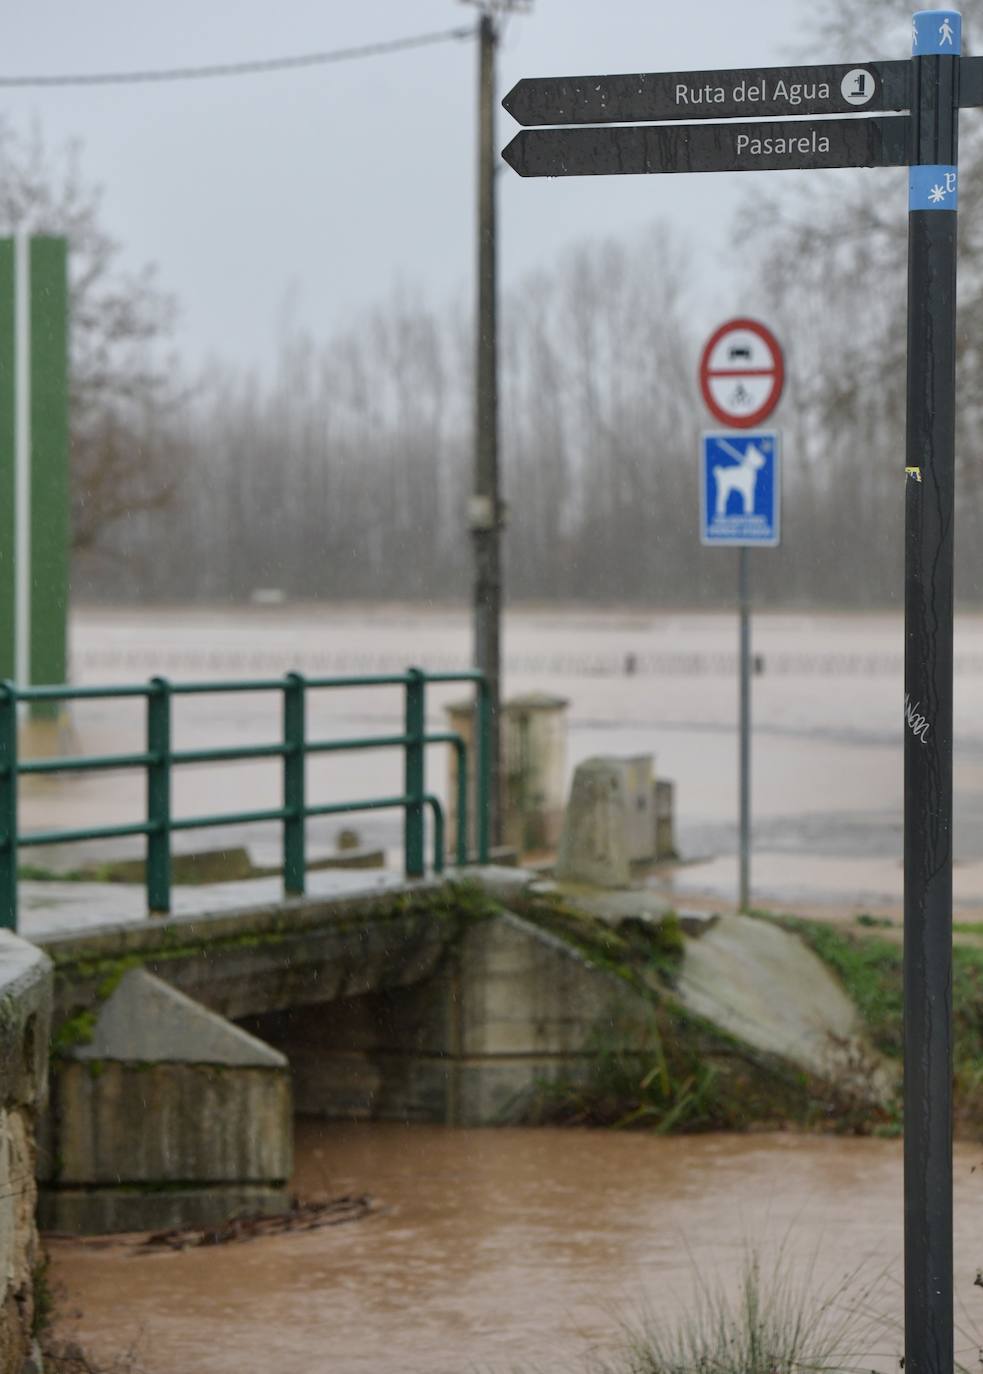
123,396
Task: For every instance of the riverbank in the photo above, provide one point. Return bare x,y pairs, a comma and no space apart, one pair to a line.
870,967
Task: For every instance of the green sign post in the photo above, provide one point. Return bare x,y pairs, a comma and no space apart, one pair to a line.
34,478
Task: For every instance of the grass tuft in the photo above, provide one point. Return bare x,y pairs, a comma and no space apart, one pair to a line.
769,1322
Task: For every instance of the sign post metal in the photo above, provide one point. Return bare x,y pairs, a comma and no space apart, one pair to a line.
742,373
744,733
611,126
929,503
740,506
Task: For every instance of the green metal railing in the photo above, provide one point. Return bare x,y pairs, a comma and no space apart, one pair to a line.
159,759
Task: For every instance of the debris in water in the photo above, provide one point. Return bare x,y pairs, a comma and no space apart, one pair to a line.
302,1216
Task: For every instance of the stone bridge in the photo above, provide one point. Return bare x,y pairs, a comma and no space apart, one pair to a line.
183,1046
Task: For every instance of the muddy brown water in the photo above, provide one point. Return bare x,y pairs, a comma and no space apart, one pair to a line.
503,1250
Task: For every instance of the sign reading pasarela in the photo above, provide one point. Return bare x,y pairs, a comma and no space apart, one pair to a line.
742,373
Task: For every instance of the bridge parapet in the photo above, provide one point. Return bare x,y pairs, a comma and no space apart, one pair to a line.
268,957
25,1012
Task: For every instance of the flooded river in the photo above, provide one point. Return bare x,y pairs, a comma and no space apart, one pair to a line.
826,778
502,1250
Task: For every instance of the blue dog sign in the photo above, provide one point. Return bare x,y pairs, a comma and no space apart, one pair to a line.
740,489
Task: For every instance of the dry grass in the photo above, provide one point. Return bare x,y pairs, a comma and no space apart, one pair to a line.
774,1321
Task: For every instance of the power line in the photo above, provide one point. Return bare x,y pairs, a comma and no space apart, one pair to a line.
256,67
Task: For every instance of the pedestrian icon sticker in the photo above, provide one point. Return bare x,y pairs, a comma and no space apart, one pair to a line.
935,31
739,489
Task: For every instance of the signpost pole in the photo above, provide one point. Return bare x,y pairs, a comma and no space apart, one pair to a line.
744,607
929,504
486,504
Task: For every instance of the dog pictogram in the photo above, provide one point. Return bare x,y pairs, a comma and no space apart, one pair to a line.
743,478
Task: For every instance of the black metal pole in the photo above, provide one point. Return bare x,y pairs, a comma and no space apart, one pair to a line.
486,504
929,503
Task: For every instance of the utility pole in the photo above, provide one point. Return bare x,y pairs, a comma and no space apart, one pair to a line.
486,504
487,510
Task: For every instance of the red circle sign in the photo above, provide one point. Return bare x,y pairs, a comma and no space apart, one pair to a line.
742,373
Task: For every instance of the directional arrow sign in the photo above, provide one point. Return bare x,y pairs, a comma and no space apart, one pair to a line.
733,147
865,88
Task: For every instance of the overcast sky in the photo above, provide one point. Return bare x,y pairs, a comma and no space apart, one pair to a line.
308,194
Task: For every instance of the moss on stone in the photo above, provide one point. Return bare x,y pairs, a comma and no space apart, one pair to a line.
638,953
77,1030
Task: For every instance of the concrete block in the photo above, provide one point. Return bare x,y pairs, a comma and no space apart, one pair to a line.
171,1123
533,768
164,1097
594,847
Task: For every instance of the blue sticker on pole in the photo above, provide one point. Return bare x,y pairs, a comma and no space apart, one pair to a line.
936,31
740,489
933,188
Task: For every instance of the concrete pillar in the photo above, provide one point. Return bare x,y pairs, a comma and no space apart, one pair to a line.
533,770
595,845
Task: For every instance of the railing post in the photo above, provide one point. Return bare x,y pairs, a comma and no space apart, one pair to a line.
483,770
439,835
159,797
462,802
294,785
8,806
413,773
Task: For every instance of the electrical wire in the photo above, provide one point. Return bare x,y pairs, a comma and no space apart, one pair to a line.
259,66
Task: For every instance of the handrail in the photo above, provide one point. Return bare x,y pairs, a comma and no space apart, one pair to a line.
159,759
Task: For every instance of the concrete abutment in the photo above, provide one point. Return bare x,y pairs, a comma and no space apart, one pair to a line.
508,1010
25,1018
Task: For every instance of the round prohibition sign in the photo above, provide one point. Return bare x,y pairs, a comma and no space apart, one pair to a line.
742,373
